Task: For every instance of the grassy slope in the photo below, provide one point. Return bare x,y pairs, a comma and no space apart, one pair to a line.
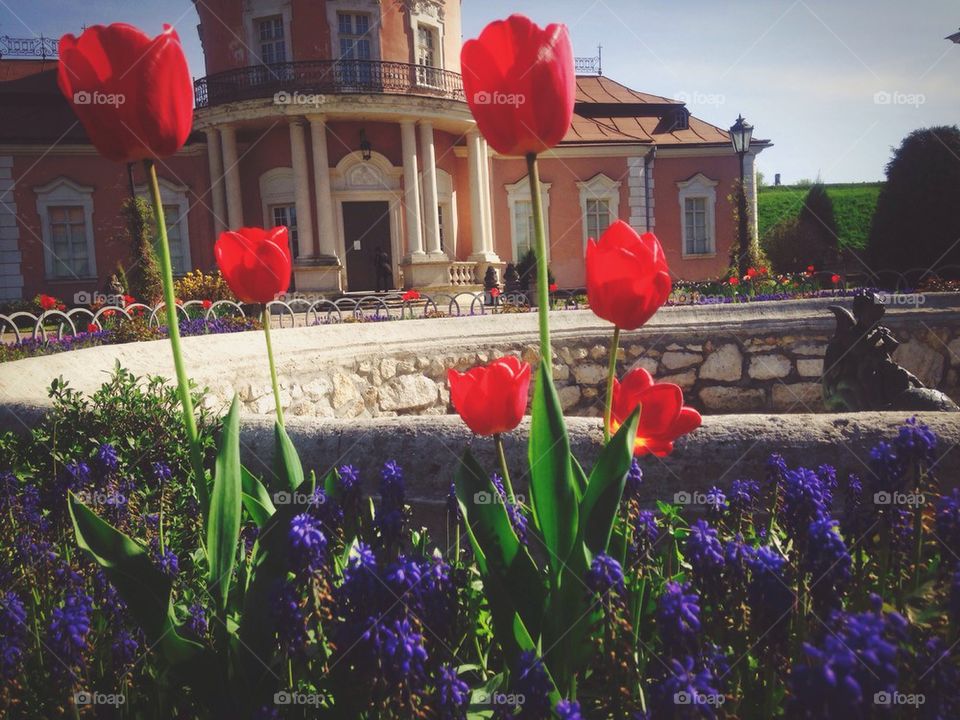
853,206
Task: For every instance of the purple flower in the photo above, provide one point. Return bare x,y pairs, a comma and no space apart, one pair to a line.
743,497
288,618
107,458
568,710
307,544
947,524
124,648
13,634
604,575
678,618
634,480
646,532
717,503
453,694
531,681
168,562
518,521
827,561
735,556
685,686
805,499
402,653
161,472
196,623
916,445
769,596
68,632
705,554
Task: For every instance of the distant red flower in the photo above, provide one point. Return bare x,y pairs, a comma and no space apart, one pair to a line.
734,281
663,416
132,93
495,292
628,279
109,313
491,398
207,304
128,300
411,295
92,328
256,263
553,287
763,270
835,279
177,301
48,302
751,273
811,268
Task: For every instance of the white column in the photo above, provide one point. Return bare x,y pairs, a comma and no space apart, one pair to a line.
231,169
215,160
408,136
301,187
750,182
431,220
326,230
482,239
487,208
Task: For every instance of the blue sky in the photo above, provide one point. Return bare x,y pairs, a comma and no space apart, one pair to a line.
835,85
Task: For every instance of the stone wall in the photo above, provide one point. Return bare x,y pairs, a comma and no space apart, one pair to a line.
762,357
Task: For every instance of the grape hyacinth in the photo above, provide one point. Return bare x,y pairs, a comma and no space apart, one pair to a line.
124,648
68,632
568,710
743,497
705,554
678,618
307,544
717,503
646,532
196,623
769,596
288,618
916,445
161,472
826,559
107,458
531,681
453,694
805,499
686,685
634,480
391,515
402,654
604,575
13,634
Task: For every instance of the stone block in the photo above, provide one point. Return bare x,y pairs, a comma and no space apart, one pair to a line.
800,397
922,360
810,367
769,367
725,363
723,398
674,360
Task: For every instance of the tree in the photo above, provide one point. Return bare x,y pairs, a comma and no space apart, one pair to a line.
818,228
144,274
916,225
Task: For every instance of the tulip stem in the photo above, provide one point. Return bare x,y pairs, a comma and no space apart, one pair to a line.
611,376
173,329
543,278
273,367
508,486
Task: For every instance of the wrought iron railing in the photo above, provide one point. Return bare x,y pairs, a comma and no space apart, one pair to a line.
35,47
304,82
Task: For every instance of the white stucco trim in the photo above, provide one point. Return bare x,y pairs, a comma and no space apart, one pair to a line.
599,187
520,192
698,186
64,191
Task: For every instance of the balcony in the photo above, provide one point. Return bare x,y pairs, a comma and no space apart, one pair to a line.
290,81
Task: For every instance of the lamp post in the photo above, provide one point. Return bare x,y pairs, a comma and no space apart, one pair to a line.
740,135
366,150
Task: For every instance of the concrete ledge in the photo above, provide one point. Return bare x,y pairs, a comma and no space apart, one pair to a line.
724,449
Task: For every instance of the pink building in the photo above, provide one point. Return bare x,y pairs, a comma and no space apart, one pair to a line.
346,121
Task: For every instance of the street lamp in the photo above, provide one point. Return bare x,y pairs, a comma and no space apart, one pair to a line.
954,38
740,135
366,150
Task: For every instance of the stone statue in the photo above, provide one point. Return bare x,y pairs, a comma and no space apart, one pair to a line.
511,279
490,280
859,372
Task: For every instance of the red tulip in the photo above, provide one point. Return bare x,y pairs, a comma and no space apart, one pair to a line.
491,398
207,304
92,328
734,281
520,84
627,276
133,94
410,295
495,292
835,279
751,273
129,300
553,287
48,302
663,416
256,263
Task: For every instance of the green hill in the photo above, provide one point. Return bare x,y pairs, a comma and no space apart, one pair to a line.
853,206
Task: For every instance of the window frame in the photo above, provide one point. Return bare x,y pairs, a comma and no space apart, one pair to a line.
370,8
517,193
599,187
264,11
698,187
64,192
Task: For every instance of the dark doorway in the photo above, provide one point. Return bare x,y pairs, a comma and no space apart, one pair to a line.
366,236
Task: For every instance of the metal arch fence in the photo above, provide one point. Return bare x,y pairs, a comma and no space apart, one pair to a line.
294,311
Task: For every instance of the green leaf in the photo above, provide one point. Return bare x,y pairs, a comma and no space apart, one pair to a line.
598,509
552,485
143,587
223,522
513,584
286,460
256,498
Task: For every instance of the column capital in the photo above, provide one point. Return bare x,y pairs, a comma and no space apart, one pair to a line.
316,118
